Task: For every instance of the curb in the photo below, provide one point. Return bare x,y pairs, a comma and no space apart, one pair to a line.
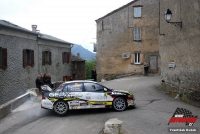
6,108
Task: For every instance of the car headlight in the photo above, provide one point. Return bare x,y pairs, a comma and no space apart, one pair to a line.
130,96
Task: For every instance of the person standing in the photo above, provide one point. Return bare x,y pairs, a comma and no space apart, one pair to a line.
49,80
94,74
146,68
39,83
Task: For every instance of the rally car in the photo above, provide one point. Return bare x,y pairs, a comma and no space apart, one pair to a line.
84,95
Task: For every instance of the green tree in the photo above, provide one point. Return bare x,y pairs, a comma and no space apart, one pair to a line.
89,65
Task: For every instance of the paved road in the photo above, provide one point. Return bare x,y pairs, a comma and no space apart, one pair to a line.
151,115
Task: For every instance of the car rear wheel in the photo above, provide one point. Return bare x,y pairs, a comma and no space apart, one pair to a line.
60,107
119,104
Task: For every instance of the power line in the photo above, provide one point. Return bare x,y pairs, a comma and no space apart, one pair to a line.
84,39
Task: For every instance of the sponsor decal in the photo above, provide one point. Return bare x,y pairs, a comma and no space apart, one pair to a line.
65,95
83,104
74,103
182,115
98,106
74,107
88,97
101,102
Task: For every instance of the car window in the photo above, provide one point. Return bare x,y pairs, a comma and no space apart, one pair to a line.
75,87
92,87
65,89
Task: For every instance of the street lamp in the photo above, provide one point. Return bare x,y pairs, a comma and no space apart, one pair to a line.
168,15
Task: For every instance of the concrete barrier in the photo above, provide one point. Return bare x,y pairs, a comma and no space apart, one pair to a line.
11,105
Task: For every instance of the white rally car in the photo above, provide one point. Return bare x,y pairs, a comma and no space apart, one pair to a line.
84,95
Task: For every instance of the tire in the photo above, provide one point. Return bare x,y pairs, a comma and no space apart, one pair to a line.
119,104
61,107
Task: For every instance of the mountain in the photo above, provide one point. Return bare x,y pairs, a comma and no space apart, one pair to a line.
84,53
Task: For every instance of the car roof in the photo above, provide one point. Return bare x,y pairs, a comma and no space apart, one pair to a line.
67,82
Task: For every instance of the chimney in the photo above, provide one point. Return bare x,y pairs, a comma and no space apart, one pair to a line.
34,28
78,54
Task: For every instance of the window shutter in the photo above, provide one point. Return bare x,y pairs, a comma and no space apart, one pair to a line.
135,33
24,58
32,58
50,58
4,58
142,57
43,57
68,56
139,33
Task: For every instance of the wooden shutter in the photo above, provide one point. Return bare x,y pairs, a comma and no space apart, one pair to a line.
32,58
43,57
50,58
142,58
68,57
4,58
24,58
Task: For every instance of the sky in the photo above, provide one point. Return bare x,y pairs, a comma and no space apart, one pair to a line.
70,20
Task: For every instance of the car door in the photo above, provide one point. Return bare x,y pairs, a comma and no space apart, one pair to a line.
74,95
96,94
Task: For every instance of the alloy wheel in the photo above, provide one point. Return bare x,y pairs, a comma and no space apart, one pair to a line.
60,107
119,104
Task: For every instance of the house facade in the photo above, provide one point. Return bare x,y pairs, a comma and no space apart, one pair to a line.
24,54
78,67
179,49
126,38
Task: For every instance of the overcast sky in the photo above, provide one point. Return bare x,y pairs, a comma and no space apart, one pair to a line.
69,20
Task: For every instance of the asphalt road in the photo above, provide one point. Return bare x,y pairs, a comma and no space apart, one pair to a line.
153,110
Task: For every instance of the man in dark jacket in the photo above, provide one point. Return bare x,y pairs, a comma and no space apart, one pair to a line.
39,82
94,74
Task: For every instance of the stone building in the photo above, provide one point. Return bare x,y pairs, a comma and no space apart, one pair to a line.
126,38
24,54
179,49
78,68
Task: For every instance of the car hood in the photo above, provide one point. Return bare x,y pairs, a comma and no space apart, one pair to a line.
122,91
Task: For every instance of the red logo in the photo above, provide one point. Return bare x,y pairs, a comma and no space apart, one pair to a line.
182,115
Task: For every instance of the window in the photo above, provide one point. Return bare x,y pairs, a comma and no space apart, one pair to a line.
137,58
66,57
137,33
3,58
137,12
46,58
91,87
28,57
75,87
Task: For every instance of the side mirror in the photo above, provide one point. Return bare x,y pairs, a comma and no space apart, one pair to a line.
105,89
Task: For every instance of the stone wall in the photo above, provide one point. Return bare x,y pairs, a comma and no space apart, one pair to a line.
57,69
115,36
15,80
79,70
181,46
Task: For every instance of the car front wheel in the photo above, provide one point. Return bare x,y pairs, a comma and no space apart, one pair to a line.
119,104
60,107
